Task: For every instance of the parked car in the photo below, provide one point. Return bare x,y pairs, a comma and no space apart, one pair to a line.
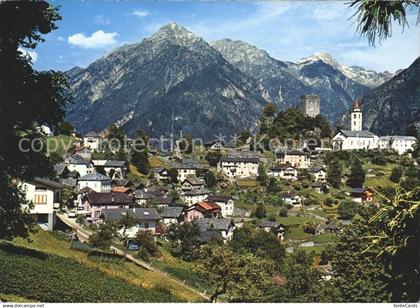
72,214
133,247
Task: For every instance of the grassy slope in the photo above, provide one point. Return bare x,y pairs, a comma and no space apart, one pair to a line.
60,144
125,271
50,278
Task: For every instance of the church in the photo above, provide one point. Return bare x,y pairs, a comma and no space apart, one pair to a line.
356,138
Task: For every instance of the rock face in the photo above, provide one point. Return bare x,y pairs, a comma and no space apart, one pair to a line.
169,82
175,81
390,108
284,82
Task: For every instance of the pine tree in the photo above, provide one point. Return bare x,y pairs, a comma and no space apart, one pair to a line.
357,175
334,173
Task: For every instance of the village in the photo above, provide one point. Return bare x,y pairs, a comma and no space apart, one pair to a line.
293,193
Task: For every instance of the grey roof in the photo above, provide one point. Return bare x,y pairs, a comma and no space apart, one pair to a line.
315,169
290,152
358,190
47,183
205,224
122,182
357,133
188,164
76,159
172,212
239,159
69,182
194,181
59,168
197,192
140,213
94,177
143,194
159,169
219,198
269,224
114,163
93,134
206,236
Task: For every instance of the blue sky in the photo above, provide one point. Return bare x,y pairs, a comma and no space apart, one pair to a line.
287,30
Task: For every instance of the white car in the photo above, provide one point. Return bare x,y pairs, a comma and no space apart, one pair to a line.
72,214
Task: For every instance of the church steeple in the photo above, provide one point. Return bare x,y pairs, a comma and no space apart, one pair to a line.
356,116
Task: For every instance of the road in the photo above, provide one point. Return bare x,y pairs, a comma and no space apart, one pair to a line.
84,234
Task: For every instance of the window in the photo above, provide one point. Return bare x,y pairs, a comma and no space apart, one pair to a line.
40,199
354,116
146,225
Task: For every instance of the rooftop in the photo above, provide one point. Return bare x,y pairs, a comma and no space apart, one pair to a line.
357,133
140,213
94,177
103,198
172,212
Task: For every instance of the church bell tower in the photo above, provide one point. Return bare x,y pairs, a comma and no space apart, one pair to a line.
356,117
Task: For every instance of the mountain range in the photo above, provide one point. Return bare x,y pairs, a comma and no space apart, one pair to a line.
175,81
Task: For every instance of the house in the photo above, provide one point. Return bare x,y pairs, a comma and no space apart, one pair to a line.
239,166
44,195
400,144
92,141
272,226
356,138
95,202
148,220
195,195
331,227
70,182
296,158
84,152
192,183
123,182
173,215
214,145
319,173
320,187
284,171
189,168
95,181
149,196
78,164
223,226
61,170
226,203
292,198
203,209
116,169
161,174
361,195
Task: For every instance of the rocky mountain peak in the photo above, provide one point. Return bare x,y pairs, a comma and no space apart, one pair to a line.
179,35
321,56
239,50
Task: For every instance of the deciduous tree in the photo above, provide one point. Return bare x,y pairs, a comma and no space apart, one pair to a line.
28,99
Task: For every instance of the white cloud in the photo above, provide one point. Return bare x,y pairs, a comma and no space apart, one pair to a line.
141,13
100,19
29,53
60,38
98,39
